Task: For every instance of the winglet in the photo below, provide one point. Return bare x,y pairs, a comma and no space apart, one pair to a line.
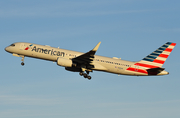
97,46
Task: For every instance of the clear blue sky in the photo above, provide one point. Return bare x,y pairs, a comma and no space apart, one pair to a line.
128,29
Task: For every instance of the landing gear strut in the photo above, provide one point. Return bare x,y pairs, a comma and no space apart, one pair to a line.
85,75
22,63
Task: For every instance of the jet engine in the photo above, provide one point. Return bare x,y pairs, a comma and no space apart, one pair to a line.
64,62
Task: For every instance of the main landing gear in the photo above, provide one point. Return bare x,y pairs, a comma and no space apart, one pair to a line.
85,75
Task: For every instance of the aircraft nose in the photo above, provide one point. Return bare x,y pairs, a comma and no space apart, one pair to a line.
6,49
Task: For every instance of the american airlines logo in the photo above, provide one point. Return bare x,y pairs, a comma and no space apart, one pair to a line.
28,47
47,51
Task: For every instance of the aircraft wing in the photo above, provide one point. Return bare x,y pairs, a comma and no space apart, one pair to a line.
88,57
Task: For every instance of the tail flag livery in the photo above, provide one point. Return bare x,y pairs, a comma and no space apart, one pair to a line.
158,57
151,64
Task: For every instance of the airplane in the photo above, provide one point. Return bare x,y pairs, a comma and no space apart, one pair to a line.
84,63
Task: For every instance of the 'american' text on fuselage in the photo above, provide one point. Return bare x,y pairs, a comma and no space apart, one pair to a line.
46,51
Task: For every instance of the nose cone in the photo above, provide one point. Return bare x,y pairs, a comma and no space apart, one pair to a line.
7,49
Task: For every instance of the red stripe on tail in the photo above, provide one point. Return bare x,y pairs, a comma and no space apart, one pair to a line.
163,55
159,61
168,49
173,44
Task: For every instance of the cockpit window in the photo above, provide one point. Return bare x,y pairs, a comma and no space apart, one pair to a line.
12,45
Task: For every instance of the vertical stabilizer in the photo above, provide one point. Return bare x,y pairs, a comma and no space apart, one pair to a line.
158,57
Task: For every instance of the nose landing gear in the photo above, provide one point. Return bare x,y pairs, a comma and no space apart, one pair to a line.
22,63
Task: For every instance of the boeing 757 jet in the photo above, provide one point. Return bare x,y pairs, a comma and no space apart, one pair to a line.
84,63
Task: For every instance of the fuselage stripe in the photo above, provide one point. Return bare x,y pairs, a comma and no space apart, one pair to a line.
137,70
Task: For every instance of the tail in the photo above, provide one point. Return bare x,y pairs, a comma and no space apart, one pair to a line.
157,58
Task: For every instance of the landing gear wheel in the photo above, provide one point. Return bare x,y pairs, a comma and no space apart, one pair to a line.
22,63
81,73
85,75
89,77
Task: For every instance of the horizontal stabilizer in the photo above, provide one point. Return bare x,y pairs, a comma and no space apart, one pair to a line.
154,71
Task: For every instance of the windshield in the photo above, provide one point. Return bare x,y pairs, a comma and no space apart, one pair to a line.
12,45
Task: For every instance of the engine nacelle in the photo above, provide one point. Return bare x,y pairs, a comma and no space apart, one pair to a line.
64,62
